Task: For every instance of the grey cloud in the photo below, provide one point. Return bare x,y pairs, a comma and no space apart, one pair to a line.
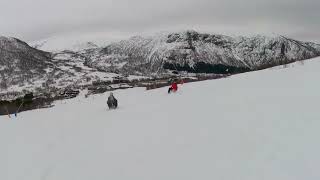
36,19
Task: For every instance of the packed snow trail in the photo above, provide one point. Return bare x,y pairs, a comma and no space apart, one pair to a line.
259,125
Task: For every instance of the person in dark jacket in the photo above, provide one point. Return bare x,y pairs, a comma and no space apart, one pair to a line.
112,102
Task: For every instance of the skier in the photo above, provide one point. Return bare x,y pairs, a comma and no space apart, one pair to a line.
112,102
174,87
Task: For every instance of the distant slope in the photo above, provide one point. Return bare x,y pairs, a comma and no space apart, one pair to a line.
75,41
20,63
253,126
195,52
24,69
56,45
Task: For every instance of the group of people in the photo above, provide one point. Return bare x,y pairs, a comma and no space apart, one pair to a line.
113,102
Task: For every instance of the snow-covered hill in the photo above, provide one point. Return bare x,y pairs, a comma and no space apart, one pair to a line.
21,64
76,41
56,45
24,69
259,125
195,52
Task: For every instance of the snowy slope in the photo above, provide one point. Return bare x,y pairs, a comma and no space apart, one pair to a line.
60,44
24,69
259,125
21,65
76,41
197,52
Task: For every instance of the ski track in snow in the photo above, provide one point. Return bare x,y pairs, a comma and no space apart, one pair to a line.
259,125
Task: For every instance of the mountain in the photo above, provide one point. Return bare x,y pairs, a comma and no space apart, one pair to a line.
195,52
57,45
24,69
20,63
255,126
75,41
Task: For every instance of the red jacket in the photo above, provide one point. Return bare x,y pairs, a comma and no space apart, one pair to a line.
174,86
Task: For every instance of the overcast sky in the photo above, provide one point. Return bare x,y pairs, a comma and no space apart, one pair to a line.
32,20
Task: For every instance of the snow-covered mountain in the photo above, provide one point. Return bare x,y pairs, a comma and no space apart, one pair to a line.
55,45
256,126
196,52
24,68
20,63
76,41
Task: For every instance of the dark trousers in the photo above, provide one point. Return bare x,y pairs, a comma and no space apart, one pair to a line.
171,90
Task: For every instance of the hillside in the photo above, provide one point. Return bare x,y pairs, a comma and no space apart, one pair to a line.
199,53
74,41
24,69
259,125
21,64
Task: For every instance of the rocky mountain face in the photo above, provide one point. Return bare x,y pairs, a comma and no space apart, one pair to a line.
26,69
196,52
20,63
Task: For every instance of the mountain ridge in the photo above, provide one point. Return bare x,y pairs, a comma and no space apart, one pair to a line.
24,68
191,47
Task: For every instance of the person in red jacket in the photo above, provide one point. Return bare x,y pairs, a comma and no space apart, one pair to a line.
174,87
